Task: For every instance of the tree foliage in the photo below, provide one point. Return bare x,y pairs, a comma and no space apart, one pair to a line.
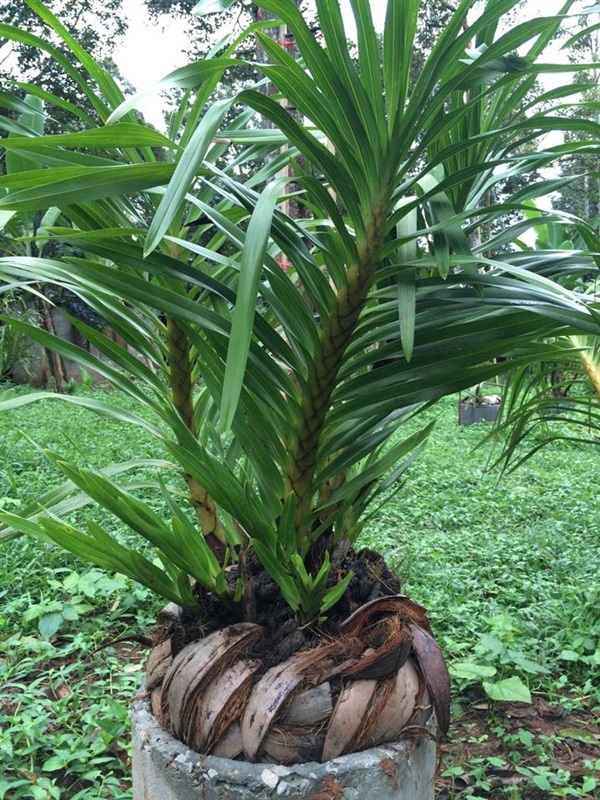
97,25
580,195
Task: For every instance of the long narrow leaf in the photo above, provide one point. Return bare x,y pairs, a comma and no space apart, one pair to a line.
185,174
241,330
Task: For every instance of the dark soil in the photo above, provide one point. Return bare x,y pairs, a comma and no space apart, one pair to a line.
371,579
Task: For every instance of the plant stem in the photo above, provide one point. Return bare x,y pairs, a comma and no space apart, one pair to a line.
591,367
335,336
180,377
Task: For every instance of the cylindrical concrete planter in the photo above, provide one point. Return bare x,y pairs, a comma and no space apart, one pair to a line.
469,414
165,769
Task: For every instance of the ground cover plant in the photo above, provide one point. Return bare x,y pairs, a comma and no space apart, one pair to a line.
508,570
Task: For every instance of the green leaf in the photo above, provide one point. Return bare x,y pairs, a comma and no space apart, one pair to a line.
70,613
335,594
33,119
525,663
122,135
279,574
467,670
23,525
54,763
511,690
187,77
338,176
542,782
569,655
253,259
212,7
49,624
407,280
23,37
87,359
57,102
286,533
526,737
589,784
185,174
398,37
64,186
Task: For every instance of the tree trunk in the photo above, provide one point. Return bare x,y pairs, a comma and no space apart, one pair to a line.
54,360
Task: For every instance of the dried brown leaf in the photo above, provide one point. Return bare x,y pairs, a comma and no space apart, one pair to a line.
332,790
195,667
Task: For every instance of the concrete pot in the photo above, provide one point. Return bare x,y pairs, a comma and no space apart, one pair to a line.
469,413
166,769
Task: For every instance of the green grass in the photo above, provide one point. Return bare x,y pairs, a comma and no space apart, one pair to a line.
509,571
511,558
66,682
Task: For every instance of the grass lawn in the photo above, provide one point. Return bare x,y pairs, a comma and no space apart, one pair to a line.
509,571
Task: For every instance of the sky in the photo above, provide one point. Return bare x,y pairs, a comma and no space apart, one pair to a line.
149,51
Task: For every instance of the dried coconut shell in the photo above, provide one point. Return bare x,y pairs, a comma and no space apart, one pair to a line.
270,693
347,720
432,666
292,746
195,667
398,604
309,708
230,744
222,702
398,709
159,661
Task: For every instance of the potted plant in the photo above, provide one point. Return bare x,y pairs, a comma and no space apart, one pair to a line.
279,395
475,405
557,399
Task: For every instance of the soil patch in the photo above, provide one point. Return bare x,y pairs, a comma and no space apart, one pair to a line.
371,580
525,737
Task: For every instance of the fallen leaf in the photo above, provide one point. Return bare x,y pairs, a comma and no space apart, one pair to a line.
389,767
579,735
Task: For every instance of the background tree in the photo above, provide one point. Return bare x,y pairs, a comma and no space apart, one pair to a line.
581,194
97,25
